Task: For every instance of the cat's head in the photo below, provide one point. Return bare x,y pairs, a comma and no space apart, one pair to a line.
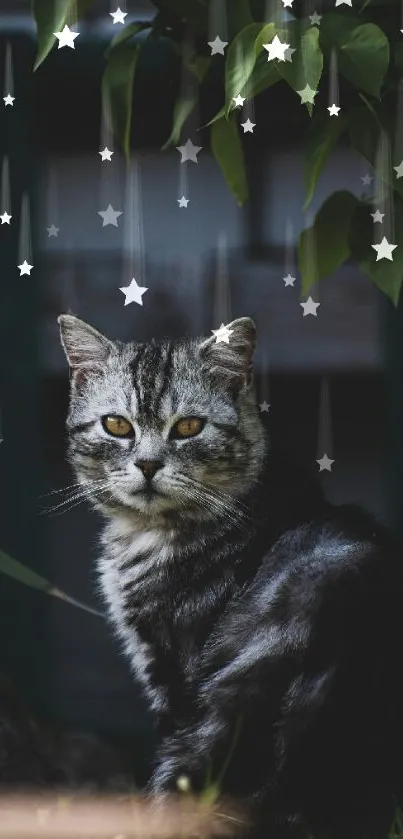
164,430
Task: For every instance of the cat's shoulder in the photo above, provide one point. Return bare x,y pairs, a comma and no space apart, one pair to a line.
343,551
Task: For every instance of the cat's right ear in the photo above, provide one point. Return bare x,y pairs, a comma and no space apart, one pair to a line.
86,349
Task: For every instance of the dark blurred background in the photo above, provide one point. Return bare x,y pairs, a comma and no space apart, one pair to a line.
334,382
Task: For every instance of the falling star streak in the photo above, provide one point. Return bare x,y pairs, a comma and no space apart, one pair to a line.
5,200
325,436
25,238
133,232
221,289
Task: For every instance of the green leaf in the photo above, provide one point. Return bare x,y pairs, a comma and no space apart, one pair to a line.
330,234
264,75
306,65
364,58
183,107
126,33
51,17
117,87
387,275
324,134
227,149
240,61
363,131
265,36
12,568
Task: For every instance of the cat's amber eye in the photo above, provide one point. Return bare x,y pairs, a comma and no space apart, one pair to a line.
187,427
117,426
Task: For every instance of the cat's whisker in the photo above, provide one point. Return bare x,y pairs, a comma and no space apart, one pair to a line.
72,487
87,492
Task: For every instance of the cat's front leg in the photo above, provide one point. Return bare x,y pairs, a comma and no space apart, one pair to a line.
189,754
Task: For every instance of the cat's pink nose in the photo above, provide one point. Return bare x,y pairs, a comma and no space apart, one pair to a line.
149,467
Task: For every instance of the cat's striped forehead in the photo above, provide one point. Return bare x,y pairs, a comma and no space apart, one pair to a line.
163,378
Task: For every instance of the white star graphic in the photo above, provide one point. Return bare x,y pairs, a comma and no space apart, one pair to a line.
367,179
399,170
52,230
239,100
276,49
189,151
248,126
110,216
310,307
378,216
325,463
66,37
289,280
217,46
289,53
106,154
5,218
222,334
346,2
9,100
25,268
264,406
183,202
334,110
307,95
118,16
384,250
133,293
315,19
288,4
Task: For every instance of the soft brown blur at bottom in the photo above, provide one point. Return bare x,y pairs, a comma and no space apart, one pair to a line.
114,817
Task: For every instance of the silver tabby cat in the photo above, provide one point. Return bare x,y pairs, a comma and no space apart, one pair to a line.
163,452
252,611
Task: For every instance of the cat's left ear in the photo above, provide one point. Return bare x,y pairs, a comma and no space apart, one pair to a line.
229,351
86,349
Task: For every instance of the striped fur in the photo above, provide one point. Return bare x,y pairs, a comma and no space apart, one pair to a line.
248,608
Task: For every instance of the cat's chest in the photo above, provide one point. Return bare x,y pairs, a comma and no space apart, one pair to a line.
137,585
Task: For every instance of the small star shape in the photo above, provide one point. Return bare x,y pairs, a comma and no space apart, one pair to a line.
264,407
66,37
106,154
384,250
367,179
315,19
289,53
217,46
334,110
248,126
276,49
25,268
5,218
109,216
183,202
307,95
289,280
288,4
378,216
9,100
118,16
189,151
310,307
133,293
346,2
52,230
222,334
239,100
325,463
399,170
